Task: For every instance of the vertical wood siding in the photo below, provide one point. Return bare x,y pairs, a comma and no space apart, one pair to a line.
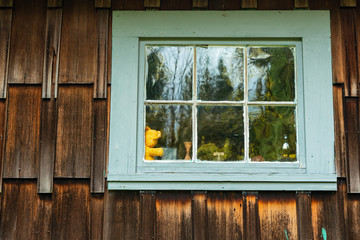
54,140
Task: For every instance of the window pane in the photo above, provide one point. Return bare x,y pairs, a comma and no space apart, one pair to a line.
271,74
272,133
169,71
220,133
220,73
175,124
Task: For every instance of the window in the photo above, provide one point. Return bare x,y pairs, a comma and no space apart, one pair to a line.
243,100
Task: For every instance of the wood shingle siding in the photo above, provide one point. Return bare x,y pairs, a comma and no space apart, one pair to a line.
54,139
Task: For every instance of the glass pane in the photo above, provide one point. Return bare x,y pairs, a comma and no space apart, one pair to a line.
220,73
169,71
271,75
220,133
272,133
175,124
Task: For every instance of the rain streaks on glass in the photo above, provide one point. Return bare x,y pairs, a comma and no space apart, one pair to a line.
222,103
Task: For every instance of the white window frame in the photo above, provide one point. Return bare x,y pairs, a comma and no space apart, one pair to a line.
315,169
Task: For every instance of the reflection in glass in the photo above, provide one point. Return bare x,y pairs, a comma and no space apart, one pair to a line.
271,74
175,124
272,133
220,73
220,133
169,72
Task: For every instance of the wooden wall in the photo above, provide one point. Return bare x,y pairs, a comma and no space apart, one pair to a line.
55,63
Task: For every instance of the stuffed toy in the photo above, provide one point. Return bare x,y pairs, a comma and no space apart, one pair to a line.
151,139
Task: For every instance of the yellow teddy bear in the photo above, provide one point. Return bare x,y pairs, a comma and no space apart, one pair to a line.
151,139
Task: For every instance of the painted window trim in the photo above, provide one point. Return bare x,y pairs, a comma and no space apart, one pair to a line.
318,170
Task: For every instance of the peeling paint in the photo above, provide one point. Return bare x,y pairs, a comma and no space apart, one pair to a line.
323,233
286,235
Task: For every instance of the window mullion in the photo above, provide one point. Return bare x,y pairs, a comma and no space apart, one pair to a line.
194,111
246,116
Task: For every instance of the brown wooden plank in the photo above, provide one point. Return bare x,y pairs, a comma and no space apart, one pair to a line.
27,41
51,53
200,215
277,213
2,139
200,4
303,212
347,3
275,4
251,216
348,26
99,147
71,209
103,16
122,215
22,133
47,146
327,216
127,5
5,32
151,3
109,54
9,210
79,48
96,216
54,3
249,4
173,211
44,217
320,4
148,215
224,4
74,132
103,3
301,4
6,3
340,136
352,210
225,215
337,44
176,5
352,123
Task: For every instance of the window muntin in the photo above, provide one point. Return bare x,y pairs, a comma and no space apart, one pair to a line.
233,102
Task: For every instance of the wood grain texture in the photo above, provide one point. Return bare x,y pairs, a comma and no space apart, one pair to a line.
353,165
99,146
173,211
6,3
176,5
249,4
275,4
3,108
347,3
54,3
78,57
27,41
303,212
102,3
52,53
200,4
96,216
5,32
348,26
225,215
340,134
122,215
71,209
251,216
47,146
23,131
103,16
127,5
277,213
224,4
320,4
74,132
351,218
147,215
301,4
151,3
200,215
